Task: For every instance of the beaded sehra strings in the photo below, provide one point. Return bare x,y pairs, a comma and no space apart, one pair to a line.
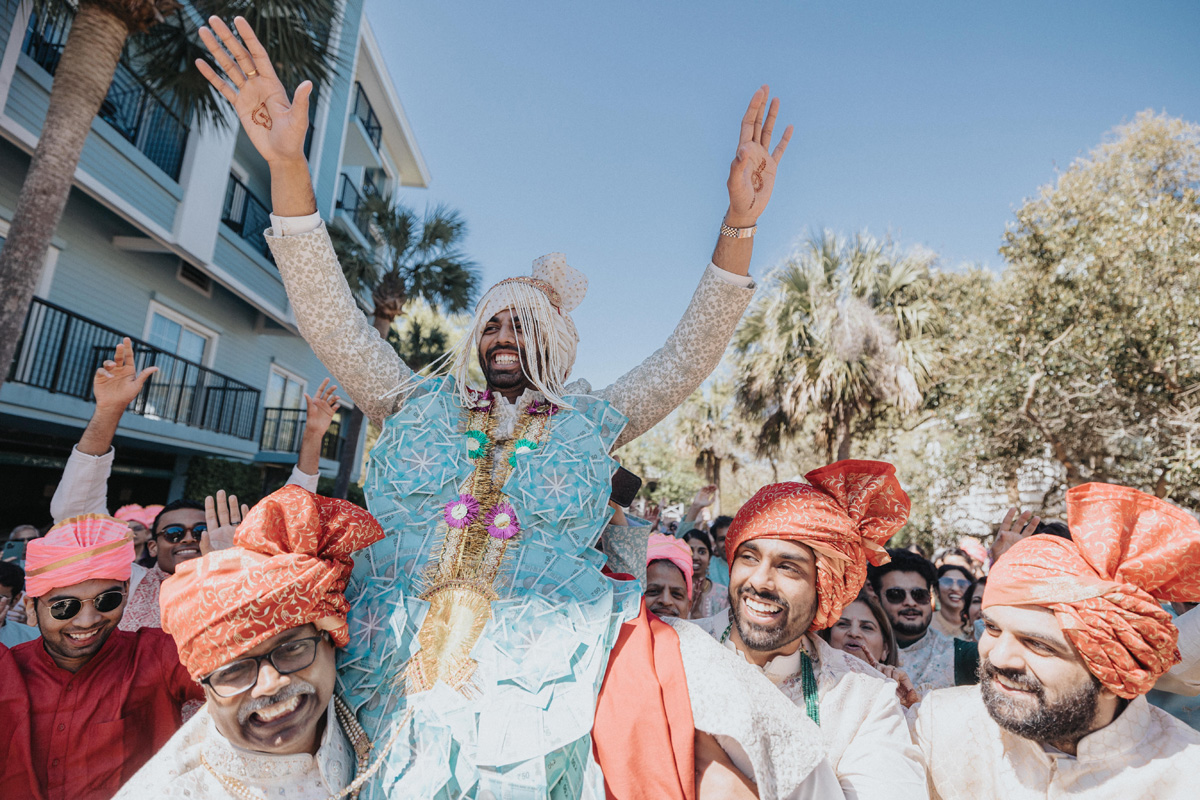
547,358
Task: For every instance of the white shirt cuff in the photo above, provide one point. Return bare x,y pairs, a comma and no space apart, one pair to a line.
304,480
294,226
88,458
741,281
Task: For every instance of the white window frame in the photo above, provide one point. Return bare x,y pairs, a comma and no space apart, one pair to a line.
42,289
213,337
287,374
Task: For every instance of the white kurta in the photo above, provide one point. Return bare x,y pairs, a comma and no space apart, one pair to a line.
1184,678
867,740
177,771
1143,753
929,662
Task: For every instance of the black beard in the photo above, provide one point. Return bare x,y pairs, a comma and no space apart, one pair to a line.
766,639
504,380
911,629
1067,719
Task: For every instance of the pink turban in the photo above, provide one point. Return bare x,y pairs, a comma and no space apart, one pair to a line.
135,513
846,513
1128,551
289,566
664,547
79,549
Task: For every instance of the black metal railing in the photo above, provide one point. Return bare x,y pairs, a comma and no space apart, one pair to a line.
147,120
59,351
246,215
354,204
366,115
283,430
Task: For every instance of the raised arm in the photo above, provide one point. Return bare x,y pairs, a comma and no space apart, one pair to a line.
83,488
328,317
653,389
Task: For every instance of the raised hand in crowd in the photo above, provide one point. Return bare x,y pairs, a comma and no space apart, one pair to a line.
222,516
321,408
705,497
1015,527
274,124
115,385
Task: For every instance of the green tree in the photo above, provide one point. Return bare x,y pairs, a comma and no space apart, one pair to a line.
843,336
709,428
415,259
159,38
1088,350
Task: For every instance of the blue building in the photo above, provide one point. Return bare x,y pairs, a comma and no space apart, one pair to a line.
162,241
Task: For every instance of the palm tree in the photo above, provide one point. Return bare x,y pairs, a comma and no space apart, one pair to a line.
162,37
842,337
708,426
416,258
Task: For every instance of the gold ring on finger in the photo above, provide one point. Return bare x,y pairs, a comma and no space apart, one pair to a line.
252,73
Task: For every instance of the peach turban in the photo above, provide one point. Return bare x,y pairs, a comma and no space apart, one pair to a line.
289,565
846,513
136,513
661,546
90,547
1128,551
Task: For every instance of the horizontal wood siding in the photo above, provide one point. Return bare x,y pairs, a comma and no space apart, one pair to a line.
234,255
107,156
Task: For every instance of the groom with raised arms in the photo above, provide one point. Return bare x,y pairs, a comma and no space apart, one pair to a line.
482,625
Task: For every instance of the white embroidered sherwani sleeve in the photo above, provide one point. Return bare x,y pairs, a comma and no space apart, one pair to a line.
653,389
329,319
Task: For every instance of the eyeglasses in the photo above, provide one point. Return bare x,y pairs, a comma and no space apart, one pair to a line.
953,583
103,603
241,675
175,533
896,595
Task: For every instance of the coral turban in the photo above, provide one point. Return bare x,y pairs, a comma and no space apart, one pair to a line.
76,550
663,547
288,567
136,513
1127,552
846,513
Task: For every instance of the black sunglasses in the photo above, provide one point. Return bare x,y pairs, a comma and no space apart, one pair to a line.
241,675
175,533
103,602
896,595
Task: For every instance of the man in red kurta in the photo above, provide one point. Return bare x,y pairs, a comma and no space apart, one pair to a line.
102,700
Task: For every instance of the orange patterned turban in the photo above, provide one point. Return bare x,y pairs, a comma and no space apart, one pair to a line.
1128,551
289,565
846,513
78,549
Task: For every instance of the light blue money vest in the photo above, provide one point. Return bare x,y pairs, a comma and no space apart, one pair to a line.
521,729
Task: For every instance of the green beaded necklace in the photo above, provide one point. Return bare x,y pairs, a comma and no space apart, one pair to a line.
808,680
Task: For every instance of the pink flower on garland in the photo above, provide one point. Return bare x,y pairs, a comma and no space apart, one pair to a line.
501,522
482,401
461,512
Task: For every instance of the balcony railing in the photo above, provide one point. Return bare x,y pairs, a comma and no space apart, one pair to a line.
366,115
283,429
353,203
59,351
131,107
247,215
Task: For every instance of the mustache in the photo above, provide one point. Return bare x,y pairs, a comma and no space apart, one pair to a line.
1022,679
298,686
500,348
770,597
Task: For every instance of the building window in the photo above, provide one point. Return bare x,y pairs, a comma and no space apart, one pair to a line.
176,334
284,389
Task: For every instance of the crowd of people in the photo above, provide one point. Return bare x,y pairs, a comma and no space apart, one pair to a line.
498,627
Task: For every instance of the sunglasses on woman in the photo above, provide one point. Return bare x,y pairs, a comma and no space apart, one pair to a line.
953,583
175,533
103,603
896,595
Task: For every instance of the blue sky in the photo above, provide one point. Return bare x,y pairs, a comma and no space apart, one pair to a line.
604,130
